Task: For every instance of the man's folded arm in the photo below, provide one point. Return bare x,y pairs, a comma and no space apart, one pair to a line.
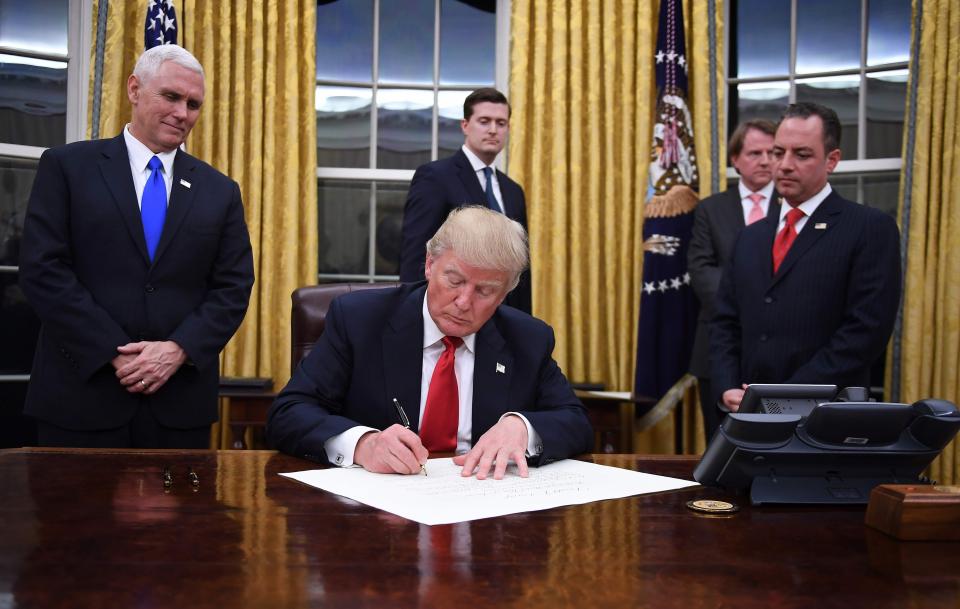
205,331
558,416
306,413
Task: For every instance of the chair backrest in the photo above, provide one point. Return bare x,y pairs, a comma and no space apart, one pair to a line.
309,317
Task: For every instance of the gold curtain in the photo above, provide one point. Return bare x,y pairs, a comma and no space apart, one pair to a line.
258,125
123,43
583,95
927,362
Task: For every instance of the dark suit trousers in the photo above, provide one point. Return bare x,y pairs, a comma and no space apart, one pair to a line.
143,431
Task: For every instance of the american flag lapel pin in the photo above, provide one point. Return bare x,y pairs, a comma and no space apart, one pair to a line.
501,368
184,183
820,225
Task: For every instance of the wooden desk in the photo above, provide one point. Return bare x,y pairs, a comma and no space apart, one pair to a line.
94,529
611,413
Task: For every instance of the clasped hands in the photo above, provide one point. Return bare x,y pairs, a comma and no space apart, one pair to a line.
399,450
145,366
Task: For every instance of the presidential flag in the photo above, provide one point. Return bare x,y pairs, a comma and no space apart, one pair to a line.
668,307
161,24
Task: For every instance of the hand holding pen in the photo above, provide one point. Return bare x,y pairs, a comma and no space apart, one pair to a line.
406,423
395,450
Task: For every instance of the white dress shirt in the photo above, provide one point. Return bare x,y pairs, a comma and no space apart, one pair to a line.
808,207
340,449
478,166
747,204
139,156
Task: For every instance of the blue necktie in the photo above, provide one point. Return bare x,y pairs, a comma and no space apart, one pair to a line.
153,206
491,198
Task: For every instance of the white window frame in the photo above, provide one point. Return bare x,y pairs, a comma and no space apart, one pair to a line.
861,166
77,58
368,175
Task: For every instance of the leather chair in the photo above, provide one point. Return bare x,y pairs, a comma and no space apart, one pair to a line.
309,317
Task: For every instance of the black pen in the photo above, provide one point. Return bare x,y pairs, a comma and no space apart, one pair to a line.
406,423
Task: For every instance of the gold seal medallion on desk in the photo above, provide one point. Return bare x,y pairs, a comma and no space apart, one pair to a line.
712,506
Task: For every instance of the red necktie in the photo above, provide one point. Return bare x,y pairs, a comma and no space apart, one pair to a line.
785,238
756,213
441,414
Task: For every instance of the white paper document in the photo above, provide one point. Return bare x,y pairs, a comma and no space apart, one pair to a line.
445,497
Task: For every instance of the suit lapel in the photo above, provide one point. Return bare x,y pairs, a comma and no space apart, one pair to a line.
773,210
115,168
469,179
824,216
181,199
492,370
510,205
733,214
403,355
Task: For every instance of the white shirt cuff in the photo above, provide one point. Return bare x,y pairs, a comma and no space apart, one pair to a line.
340,448
534,443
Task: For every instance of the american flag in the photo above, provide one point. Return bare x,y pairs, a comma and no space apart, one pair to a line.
161,24
668,307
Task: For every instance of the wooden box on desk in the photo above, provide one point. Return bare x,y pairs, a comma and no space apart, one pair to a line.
916,511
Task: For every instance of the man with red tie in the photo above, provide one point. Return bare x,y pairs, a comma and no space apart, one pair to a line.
811,295
717,221
403,372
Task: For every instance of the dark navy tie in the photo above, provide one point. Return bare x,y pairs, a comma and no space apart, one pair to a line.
153,206
491,198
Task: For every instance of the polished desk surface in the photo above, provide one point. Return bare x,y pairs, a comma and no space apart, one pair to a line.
96,529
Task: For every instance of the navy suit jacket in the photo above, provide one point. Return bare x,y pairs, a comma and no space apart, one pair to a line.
372,351
437,189
717,221
828,312
85,270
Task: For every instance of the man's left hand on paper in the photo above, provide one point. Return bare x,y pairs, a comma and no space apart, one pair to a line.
153,364
504,441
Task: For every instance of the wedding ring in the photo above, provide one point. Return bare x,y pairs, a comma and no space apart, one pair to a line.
143,382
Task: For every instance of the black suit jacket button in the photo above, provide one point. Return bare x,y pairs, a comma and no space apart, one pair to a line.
768,299
149,288
763,338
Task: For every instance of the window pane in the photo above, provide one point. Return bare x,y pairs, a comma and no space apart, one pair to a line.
406,42
450,113
345,40
842,94
468,32
882,191
828,35
845,185
390,199
16,180
344,223
343,126
886,101
33,101
404,126
888,34
759,100
762,38
34,25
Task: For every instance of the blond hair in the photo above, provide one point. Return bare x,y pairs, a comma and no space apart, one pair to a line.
485,239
